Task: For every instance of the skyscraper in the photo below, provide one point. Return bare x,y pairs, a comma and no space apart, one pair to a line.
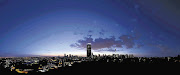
89,50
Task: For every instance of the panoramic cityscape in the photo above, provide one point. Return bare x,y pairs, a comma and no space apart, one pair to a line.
52,37
35,65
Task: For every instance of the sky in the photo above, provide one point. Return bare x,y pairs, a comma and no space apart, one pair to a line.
145,28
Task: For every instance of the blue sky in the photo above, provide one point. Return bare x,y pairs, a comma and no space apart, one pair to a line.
55,27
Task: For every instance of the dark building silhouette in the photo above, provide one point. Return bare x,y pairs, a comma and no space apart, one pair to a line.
89,50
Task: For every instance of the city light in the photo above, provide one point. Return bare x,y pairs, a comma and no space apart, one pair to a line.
34,65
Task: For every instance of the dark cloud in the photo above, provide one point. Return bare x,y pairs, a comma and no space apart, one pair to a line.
108,49
100,43
90,31
127,40
102,30
104,50
101,33
89,36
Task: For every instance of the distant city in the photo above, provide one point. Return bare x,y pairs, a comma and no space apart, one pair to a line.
30,65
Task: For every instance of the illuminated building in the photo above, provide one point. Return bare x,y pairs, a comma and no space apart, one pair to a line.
89,50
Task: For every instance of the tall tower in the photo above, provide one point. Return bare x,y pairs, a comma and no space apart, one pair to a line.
89,50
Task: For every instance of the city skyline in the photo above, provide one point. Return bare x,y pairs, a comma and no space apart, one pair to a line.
53,28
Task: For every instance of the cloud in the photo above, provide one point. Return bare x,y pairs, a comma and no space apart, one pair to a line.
101,33
127,40
164,49
89,36
90,31
100,43
107,49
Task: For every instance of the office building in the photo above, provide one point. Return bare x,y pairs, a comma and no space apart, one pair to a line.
89,50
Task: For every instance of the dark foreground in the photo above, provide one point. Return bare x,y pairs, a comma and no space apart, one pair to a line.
106,68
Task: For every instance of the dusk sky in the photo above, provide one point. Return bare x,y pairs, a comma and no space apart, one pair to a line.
57,27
